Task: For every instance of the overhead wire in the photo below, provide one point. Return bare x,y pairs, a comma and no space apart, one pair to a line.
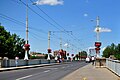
20,23
39,15
11,19
51,18
46,19
43,17
36,36
47,15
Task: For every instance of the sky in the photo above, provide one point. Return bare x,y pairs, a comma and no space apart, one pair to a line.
71,22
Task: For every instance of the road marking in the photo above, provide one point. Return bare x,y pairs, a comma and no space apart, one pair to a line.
47,71
51,68
55,68
24,77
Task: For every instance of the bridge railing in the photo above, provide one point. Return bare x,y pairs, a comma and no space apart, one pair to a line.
22,62
113,65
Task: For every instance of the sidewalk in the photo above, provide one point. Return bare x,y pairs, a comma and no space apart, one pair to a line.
90,72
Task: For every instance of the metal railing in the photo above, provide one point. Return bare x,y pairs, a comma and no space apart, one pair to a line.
113,65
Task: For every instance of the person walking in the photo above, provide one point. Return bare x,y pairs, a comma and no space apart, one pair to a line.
93,60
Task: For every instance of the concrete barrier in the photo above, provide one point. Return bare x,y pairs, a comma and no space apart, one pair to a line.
100,62
21,62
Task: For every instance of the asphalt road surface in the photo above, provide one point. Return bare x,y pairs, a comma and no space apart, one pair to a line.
54,72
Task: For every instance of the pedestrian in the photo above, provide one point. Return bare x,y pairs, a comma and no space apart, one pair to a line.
16,61
93,60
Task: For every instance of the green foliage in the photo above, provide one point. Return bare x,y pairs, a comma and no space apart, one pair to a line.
112,50
117,54
81,54
10,45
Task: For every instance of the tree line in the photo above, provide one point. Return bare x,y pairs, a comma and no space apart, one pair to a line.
112,50
11,45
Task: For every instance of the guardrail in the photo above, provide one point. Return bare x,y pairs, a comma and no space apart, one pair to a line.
22,62
113,65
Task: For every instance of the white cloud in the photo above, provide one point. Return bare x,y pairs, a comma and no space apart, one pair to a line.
85,14
66,44
49,2
103,29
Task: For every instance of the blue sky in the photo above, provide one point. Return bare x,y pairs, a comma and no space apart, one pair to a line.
70,15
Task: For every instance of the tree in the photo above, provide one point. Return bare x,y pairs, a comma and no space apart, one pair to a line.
11,45
4,35
117,53
112,50
82,54
106,52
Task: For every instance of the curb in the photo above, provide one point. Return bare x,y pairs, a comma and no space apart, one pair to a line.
26,67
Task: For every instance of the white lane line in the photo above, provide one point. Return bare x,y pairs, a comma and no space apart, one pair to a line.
47,71
55,68
24,77
51,68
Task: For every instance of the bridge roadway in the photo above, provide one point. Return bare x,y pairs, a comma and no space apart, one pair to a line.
54,72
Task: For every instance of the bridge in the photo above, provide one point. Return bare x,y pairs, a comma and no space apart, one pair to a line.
67,70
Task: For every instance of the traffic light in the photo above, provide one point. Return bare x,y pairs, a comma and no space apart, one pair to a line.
97,49
97,45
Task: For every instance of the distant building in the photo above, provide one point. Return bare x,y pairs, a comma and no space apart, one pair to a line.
60,53
37,55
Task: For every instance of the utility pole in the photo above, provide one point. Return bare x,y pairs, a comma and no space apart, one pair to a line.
61,35
67,52
26,44
49,50
49,33
61,50
60,40
98,28
97,43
